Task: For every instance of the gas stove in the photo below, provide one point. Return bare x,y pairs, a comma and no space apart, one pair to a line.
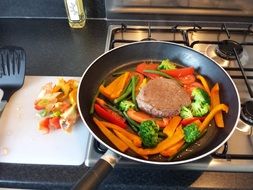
232,48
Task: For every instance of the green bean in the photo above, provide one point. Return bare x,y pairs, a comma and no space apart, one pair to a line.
125,94
159,73
94,99
135,126
163,75
133,91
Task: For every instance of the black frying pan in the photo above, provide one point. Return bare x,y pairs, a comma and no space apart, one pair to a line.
128,56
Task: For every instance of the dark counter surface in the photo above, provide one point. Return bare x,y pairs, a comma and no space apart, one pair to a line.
53,49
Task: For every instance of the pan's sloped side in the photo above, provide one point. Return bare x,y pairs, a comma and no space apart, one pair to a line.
134,53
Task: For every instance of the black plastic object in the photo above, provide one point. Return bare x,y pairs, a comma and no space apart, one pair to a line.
92,179
12,69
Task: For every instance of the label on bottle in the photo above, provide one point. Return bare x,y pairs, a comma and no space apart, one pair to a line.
73,10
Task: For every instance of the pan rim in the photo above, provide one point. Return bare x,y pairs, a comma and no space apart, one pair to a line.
162,162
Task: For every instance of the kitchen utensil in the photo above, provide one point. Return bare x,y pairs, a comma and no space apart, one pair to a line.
128,56
12,71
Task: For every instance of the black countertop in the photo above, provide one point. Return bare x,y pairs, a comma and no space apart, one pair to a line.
53,49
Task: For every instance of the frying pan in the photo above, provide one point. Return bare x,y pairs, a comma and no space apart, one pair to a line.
128,56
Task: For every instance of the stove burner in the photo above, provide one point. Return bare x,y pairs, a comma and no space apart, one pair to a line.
225,49
148,39
247,112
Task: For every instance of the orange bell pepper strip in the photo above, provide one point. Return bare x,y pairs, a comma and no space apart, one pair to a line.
215,100
134,138
165,144
212,113
173,150
204,83
140,116
171,126
116,87
113,138
72,97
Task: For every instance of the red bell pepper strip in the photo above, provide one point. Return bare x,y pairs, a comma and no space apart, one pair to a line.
180,72
147,66
190,120
110,116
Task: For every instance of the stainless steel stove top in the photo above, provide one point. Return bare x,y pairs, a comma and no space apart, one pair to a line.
237,153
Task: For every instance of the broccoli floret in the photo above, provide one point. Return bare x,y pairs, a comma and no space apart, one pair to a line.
126,105
199,109
201,103
149,133
200,95
191,133
166,64
185,112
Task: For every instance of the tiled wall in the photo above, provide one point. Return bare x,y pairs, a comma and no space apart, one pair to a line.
47,8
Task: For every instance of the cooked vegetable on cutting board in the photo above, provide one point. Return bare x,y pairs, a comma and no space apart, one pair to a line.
57,106
156,108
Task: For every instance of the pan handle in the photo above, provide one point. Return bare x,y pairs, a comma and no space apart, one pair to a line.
92,179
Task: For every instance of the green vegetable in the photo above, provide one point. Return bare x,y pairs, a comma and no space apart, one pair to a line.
200,95
191,133
134,81
149,133
135,126
201,103
159,73
199,109
126,93
166,64
56,114
125,105
185,112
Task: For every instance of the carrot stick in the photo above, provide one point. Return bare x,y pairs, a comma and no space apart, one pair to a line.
204,83
115,88
165,144
113,138
197,122
118,89
171,126
134,138
215,100
173,150
140,116
210,116
130,144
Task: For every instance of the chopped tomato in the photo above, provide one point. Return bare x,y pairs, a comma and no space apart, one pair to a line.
55,122
44,125
180,72
189,87
147,66
187,79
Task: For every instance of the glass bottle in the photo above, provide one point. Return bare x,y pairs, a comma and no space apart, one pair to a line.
75,12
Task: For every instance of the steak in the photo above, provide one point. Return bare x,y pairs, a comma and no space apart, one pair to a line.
162,97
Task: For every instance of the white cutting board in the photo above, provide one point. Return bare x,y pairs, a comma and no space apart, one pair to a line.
20,140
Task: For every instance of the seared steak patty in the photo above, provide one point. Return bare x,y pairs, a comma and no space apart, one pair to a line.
162,97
